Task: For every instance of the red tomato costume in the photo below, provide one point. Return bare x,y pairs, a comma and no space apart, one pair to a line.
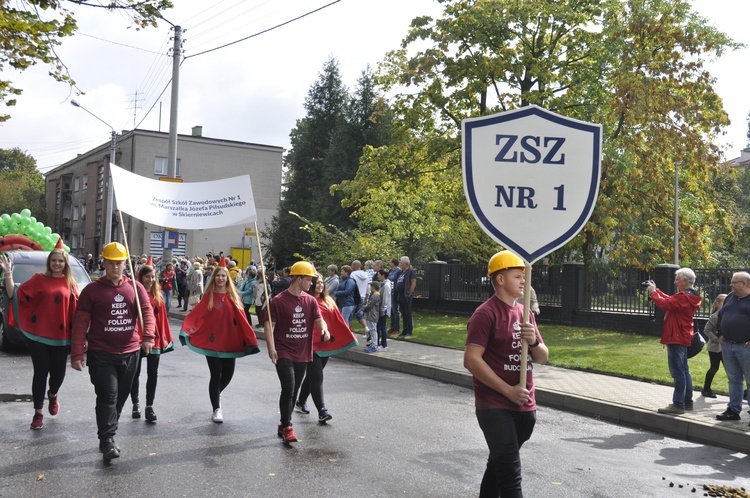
222,332
43,309
342,338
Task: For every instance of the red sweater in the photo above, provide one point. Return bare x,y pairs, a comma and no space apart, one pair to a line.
108,312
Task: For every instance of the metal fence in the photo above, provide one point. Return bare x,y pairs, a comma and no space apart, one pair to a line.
613,291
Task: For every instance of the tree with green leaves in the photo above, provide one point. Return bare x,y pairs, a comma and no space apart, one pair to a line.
30,30
21,184
326,148
634,66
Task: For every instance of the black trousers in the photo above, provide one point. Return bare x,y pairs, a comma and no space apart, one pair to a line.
406,316
222,371
112,377
505,432
290,375
313,383
48,361
715,359
152,374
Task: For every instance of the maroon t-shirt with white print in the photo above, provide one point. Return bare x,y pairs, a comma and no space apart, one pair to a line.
496,327
293,319
106,317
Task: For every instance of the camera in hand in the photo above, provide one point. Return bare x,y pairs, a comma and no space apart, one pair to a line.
645,284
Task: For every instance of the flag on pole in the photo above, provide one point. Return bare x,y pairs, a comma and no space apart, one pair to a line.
191,206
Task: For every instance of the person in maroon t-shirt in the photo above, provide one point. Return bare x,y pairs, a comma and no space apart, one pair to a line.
105,321
506,410
290,345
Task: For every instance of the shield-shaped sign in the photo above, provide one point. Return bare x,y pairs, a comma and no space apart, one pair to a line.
531,177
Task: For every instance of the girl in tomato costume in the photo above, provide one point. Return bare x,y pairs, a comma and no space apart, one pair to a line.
43,308
162,344
217,328
342,339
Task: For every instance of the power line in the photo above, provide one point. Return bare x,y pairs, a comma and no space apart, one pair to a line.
264,31
118,43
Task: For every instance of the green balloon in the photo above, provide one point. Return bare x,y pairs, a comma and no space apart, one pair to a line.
48,231
53,238
15,217
25,213
33,220
5,217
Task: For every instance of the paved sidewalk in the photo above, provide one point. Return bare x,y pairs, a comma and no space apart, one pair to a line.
622,401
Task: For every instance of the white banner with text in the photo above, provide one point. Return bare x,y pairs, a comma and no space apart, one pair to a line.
191,206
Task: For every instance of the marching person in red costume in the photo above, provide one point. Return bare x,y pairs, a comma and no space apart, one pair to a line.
105,327
218,328
290,347
43,308
342,338
162,343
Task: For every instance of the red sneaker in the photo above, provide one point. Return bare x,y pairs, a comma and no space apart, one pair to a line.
54,405
289,435
37,422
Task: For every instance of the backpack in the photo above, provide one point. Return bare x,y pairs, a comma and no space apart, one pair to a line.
357,295
696,346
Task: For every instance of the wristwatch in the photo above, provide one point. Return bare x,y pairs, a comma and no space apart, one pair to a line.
535,344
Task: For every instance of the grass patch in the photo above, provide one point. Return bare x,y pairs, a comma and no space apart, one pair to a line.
623,354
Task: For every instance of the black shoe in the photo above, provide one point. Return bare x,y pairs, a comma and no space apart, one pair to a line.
401,336
109,449
708,393
136,411
150,415
729,414
302,407
101,445
324,416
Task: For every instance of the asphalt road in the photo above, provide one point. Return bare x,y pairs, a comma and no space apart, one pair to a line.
391,435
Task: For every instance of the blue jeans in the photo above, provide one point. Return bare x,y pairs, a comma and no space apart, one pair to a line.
505,432
395,322
737,365
167,299
346,312
683,382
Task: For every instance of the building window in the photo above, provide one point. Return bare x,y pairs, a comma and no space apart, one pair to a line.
76,184
82,241
161,167
75,213
85,182
100,184
98,222
83,211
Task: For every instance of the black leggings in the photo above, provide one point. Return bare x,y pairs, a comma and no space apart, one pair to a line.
313,383
222,370
290,375
48,361
152,372
716,360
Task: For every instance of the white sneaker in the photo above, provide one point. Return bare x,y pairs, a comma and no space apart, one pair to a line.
218,416
381,349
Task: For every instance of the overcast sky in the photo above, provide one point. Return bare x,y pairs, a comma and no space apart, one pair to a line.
254,90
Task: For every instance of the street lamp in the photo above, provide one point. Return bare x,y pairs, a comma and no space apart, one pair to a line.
112,159
677,213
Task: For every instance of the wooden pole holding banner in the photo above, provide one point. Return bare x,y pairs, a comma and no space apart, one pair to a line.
266,333
526,310
132,273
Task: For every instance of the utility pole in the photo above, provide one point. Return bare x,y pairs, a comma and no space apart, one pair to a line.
172,153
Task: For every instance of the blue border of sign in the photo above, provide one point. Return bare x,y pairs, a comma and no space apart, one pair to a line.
532,110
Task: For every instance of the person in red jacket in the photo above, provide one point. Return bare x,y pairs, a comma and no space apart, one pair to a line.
105,327
677,334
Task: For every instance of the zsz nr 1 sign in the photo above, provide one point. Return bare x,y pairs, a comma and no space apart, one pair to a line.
531,177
